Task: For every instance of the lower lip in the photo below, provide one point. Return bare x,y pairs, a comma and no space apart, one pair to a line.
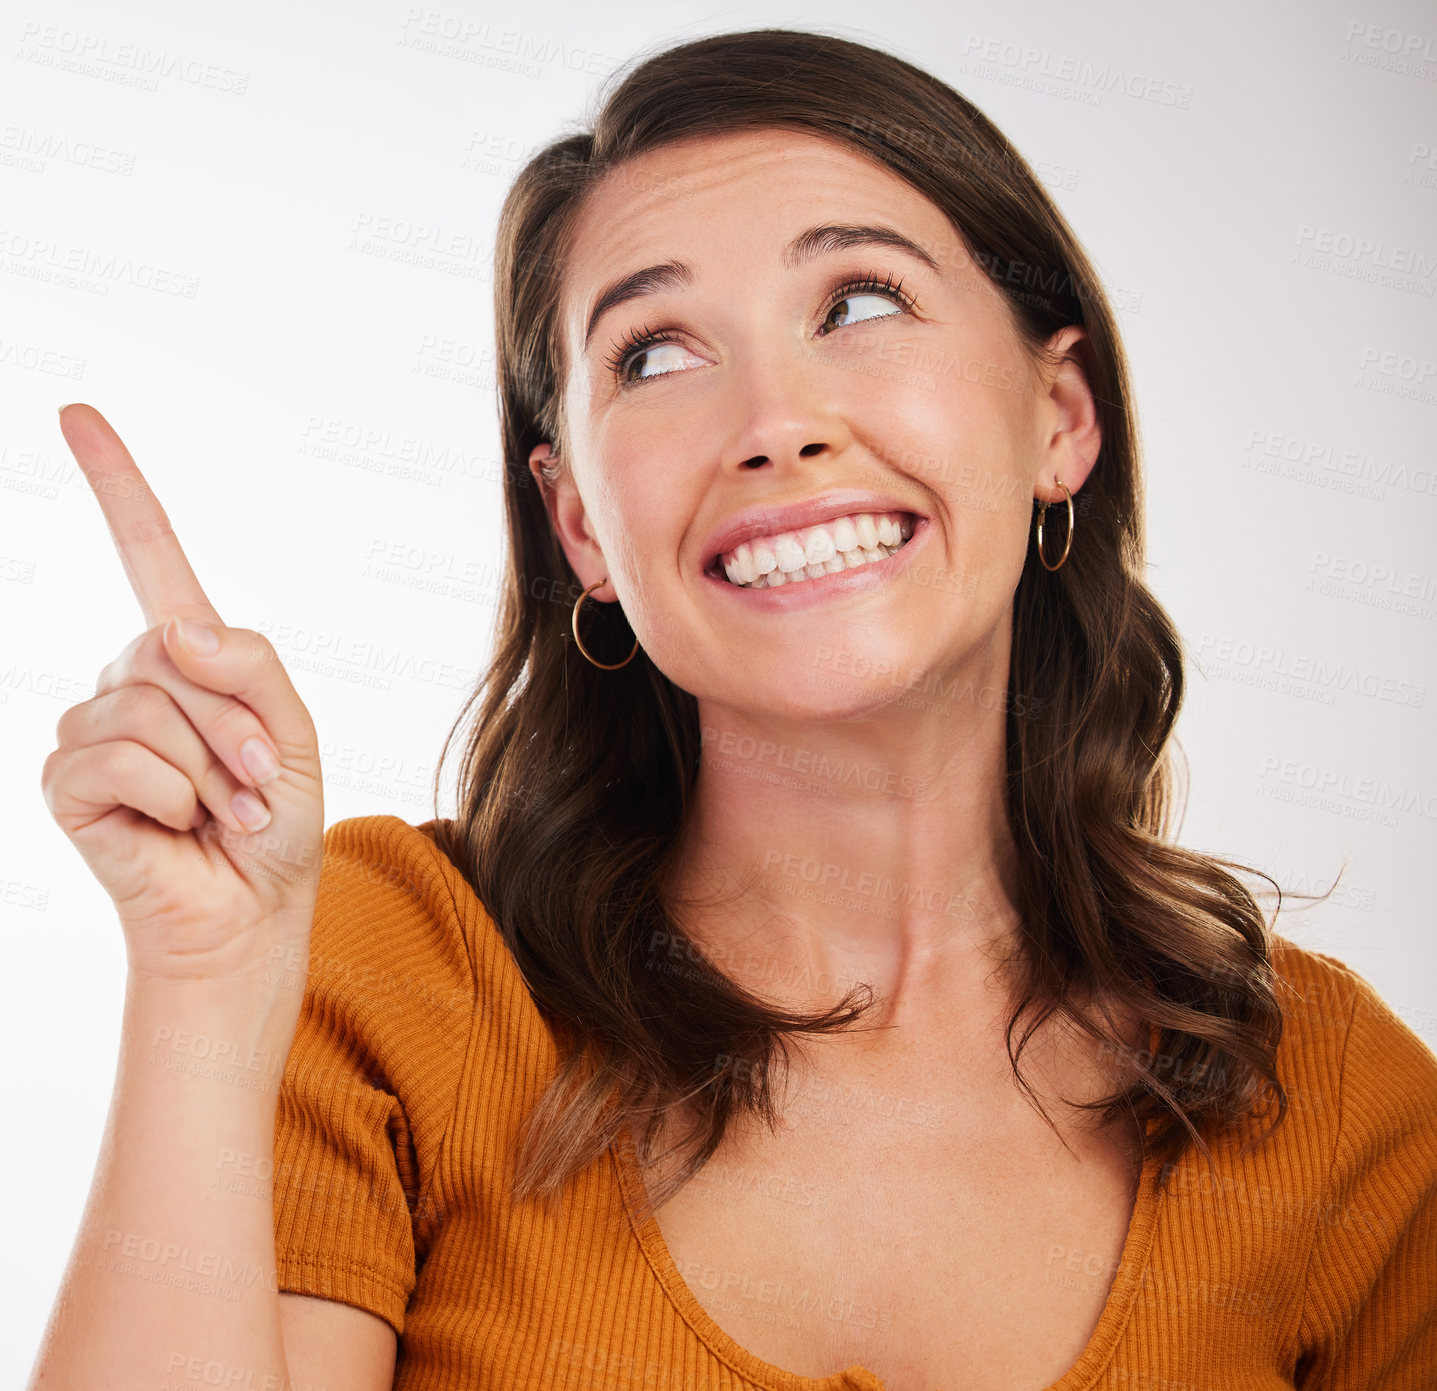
838,585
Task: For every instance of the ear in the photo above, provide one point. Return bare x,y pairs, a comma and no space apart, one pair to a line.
570,520
1070,435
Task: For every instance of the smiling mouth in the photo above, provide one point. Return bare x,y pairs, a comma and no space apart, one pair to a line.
792,557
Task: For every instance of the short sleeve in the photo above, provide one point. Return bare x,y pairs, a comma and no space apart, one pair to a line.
1369,1319
371,1078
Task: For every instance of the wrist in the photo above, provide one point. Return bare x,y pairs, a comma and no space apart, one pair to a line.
236,1030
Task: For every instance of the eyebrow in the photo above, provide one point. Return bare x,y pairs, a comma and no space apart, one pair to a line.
808,245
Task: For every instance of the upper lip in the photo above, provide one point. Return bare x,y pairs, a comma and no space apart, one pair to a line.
770,520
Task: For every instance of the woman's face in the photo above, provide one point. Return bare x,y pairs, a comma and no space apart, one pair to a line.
792,379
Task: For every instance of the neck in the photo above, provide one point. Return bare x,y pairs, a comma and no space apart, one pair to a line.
817,855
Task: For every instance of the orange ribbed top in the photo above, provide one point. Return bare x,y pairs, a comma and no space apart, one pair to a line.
1311,1262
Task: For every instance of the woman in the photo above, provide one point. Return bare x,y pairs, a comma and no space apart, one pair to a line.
828,724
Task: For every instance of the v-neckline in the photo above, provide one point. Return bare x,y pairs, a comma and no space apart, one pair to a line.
1137,1248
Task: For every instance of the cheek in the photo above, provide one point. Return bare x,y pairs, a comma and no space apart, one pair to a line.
964,442
970,448
644,527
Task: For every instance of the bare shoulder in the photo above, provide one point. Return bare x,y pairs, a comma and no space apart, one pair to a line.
330,1343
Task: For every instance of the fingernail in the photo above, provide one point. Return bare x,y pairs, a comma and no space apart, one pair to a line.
260,763
249,811
198,638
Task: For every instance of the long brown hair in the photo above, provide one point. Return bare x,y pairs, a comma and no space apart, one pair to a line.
575,780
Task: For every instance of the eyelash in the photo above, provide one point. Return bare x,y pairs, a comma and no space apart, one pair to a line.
647,337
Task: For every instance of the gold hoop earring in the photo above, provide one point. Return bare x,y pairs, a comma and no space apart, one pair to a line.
1068,544
604,666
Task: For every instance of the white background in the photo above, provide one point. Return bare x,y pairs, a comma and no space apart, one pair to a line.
247,292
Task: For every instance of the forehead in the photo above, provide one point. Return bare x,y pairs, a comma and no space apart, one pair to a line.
737,194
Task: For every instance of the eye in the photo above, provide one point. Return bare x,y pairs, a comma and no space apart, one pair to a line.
646,342
639,345
851,317
868,288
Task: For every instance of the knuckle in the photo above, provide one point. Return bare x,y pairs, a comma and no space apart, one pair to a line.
232,715
150,658
70,716
145,704
126,670
121,668
120,758
255,646
49,770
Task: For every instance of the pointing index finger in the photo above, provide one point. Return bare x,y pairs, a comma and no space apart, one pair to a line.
156,567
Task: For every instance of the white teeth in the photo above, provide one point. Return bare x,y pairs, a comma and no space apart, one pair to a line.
812,552
789,552
844,560
819,546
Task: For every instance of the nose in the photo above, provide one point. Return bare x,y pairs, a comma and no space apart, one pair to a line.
785,411
755,461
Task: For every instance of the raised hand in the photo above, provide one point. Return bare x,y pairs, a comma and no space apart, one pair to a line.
161,781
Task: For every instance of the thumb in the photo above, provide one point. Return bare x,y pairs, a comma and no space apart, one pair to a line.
192,636
243,665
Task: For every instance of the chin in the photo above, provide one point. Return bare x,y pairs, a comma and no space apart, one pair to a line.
818,697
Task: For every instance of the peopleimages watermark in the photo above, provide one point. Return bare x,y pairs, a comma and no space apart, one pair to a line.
506,48
1333,789
845,884
1347,471
130,64
32,357
862,667
1378,585
1364,258
411,458
1294,671
1391,373
814,763
24,147
1393,50
1065,74
87,268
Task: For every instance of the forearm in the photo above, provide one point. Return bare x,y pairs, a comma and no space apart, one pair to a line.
172,1276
